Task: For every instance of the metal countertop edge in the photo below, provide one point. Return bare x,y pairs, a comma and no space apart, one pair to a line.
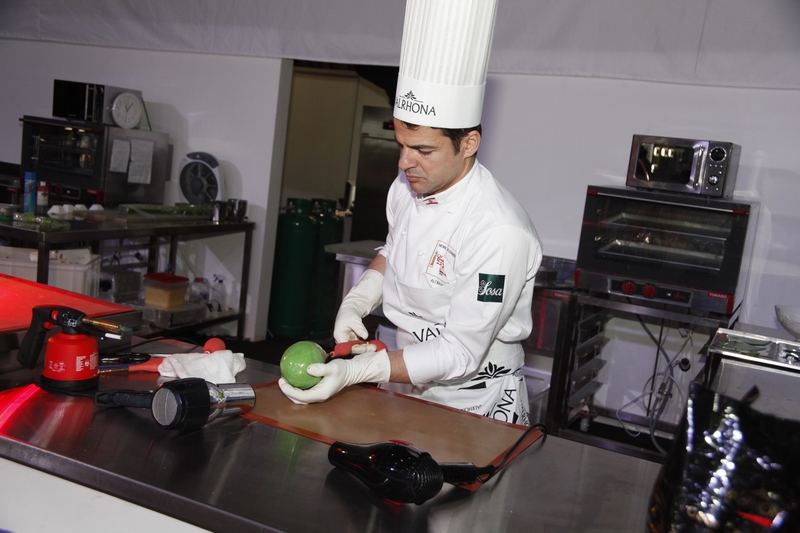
147,496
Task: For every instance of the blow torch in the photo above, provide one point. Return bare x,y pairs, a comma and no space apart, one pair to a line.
71,357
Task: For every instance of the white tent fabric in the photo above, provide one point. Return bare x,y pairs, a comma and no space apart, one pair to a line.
734,43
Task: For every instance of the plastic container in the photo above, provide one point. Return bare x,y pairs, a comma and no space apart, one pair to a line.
217,296
120,286
7,211
537,381
546,309
29,193
564,269
182,315
200,291
82,279
164,290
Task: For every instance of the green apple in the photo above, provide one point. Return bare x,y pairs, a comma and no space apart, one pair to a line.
296,359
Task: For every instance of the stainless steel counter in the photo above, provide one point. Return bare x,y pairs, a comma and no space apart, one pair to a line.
239,475
355,257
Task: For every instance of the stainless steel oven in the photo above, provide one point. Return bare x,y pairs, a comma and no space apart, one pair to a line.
656,275
668,249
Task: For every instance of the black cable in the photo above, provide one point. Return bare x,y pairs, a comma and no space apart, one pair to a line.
495,469
660,404
156,339
656,409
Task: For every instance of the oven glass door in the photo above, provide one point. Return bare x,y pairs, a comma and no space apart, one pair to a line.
668,163
63,153
666,238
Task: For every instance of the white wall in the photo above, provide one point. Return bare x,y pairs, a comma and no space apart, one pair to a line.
231,107
547,137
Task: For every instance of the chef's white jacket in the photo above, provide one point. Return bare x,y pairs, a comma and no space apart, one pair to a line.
460,269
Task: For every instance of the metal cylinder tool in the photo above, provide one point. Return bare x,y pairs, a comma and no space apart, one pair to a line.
188,403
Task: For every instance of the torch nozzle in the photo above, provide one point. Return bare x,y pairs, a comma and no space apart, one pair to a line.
108,325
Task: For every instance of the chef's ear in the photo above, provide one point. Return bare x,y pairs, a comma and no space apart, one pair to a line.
470,143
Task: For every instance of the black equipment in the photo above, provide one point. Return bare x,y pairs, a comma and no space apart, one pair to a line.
403,473
188,403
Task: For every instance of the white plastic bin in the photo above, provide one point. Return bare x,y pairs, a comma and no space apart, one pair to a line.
83,279
537,382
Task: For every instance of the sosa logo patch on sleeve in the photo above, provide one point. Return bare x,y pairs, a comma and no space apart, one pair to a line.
490,287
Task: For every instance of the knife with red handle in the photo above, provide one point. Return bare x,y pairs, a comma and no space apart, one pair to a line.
345,349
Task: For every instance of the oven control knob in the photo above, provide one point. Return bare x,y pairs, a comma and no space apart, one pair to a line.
718,154
649,291
713,180
628,287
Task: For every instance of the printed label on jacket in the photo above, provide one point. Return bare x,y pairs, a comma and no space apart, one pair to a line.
440,266
490,287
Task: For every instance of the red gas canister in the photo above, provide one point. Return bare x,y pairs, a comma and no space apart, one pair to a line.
71,355
70,362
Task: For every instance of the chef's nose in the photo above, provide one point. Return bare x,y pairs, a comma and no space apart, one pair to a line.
407,160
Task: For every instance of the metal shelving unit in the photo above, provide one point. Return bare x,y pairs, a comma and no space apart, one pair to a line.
161,233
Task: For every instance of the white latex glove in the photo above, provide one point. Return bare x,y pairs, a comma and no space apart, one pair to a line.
348,325
363,348
340,373
362,299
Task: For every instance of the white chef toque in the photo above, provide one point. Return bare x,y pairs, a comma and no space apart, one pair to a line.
443,62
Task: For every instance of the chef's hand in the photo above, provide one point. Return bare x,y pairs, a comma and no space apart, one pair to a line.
337,374
348,325
369,346
349,348
362,299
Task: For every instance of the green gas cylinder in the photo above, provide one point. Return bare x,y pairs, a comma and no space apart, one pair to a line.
326,269
293,270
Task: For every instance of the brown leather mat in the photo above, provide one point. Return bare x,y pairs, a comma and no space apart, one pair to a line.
364,414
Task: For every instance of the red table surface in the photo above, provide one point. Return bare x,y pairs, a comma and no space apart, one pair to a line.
18,297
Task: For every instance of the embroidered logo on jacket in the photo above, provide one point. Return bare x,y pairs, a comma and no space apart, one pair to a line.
440,265
490,287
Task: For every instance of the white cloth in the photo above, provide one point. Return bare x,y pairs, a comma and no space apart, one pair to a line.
459,286
217,367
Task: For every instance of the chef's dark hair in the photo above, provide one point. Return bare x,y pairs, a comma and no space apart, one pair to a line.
456,135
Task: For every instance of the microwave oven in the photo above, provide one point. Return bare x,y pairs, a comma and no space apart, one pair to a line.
691,166
88,163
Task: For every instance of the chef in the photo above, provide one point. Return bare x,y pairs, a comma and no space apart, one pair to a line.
456,274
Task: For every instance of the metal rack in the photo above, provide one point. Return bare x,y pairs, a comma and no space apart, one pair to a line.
92,233
583,351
